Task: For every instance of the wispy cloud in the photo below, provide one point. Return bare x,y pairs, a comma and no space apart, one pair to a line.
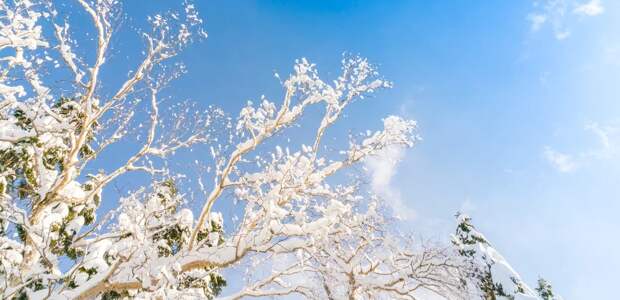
381,169
561,161
537,21
557,14
607,147
608,137
550,12
592,8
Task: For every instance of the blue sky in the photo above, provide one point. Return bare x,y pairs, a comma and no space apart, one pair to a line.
517,103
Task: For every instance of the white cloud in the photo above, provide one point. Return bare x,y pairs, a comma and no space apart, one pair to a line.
592,8
551,12
537,21
562,162
601,132
561,34
607,136
556,13
381,169
608,147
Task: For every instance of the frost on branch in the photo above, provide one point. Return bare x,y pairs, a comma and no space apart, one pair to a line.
359,258
318,233
48,204
53,241
151,228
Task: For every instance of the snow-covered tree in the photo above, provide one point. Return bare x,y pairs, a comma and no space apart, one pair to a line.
305,229
488,272
57,117
545,290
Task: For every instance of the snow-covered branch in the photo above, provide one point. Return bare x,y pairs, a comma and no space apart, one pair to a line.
313,230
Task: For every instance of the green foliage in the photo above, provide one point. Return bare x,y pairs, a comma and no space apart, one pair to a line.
63,244
212,284
17,166
466,235
36,285
71,110
176,237
24,164
114,295
172,238
22,120
545,290
465,239
21,233
18,163
217,283
52,158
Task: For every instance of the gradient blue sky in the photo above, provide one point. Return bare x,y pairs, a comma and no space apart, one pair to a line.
520,121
